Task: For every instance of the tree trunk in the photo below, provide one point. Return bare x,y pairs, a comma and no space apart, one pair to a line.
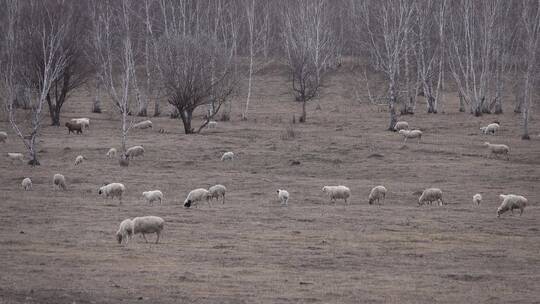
391,107
303,117
156,108
186,116
431,104
461,103
54,112
96,107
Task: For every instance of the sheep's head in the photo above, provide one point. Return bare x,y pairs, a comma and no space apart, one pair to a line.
370,201
119,237
486,144
100,191
325,189
187,203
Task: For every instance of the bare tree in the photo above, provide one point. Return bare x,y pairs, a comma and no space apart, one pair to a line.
115,52
530,23
383,28
195,70
309,43
26,24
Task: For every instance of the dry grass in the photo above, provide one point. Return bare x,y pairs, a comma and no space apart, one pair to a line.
59,247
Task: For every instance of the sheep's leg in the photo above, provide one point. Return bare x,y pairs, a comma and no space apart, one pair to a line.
223,200
157,239
208,201
144,237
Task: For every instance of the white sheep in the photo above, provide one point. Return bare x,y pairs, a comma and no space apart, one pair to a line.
411,134
227,156
217,192
283,196
492,128
511,202
401,125
148,224
477,198
3,136
496,149
59,181
143,125
135,151
111,153
431,195
113,190
85,122
197,195
125,231
152,196
16,156
377,193
27,184
79,159
212,124
337,192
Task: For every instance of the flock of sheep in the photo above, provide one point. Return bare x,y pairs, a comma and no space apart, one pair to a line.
153,224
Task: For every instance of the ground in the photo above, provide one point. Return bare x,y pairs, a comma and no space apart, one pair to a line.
59,246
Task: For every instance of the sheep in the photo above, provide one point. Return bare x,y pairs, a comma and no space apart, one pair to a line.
283,196
377,193
212,124
85,122
477,198
111,153
135,151
112,190
125,231
72,127
431,195
511,202
3,136
143,125
16,156
337,192
59,181
411,134
227,156
492,128
217,191
27,184
148,224
496,149
197,195
79,159
401,125
154,195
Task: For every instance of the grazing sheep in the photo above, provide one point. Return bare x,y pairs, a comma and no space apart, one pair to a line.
16,156
377,193
212,124
283,196
217,191
162,131
148,224
72,127
27,184
111,153
431,195
227,156
3,136
85,122
496,149
511,202
135,151
337,192
112,190
411,134
125,232
401,125
154,195
59,181
197,195
492,128
477,198
143,125
79,159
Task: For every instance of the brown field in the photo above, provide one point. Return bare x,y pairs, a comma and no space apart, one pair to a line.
59,247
